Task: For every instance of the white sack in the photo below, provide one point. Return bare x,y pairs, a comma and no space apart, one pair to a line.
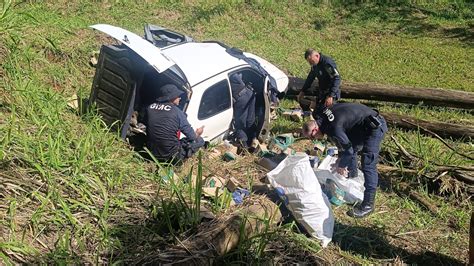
353,187
303,196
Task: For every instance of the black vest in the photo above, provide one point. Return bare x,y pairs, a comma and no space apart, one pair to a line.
162,130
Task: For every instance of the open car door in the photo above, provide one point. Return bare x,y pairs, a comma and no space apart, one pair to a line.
113,87
264,126
119,71
163,37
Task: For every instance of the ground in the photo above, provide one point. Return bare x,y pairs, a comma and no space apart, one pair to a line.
73,192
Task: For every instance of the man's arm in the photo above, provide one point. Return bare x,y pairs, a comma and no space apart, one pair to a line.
309,80
185,127
347,152
307,84
331,69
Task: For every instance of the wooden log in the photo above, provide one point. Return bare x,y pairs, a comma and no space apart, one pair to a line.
220,236
417,197
429,96
446,130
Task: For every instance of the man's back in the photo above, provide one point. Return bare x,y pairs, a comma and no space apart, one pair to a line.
348,118
162,129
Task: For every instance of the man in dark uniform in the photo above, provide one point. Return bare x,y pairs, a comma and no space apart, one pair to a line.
325,69
353,127
244,111
165,123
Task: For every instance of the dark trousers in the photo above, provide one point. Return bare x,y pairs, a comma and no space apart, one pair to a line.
370,157
244,116
188,148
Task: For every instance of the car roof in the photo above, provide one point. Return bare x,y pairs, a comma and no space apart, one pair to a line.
200,61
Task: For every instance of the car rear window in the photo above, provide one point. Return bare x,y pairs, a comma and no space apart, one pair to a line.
215,99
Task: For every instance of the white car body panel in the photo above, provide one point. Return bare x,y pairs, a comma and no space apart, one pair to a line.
199,61
142,47
280,78
217,125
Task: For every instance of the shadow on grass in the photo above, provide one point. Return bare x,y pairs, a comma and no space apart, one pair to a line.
137,241
410,18
372,243
369,242
200,13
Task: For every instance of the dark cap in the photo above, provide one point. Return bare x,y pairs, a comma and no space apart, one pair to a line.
169,92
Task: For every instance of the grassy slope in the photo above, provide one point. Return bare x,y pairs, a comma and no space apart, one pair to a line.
69,185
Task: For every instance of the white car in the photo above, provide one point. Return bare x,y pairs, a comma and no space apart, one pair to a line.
129,75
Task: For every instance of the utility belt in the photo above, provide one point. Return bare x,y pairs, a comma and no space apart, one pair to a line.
373,121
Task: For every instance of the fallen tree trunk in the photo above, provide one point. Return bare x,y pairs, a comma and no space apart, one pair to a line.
220,236
455,131
429,96
446,130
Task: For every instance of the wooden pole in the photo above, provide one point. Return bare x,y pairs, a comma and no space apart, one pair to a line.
455,131
429,96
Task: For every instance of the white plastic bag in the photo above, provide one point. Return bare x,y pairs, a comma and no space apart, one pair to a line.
303,196
353,187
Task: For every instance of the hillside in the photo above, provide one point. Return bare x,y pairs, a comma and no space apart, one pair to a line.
74,193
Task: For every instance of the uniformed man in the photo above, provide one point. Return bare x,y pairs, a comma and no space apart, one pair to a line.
325,69
244,110
165,123
353,127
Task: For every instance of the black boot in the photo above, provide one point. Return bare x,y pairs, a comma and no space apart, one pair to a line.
365,208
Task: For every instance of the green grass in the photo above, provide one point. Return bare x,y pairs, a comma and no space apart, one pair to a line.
75,193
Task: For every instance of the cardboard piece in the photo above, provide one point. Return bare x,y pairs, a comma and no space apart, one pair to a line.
211,191
296,115
206,213
233,184
215,153
214,181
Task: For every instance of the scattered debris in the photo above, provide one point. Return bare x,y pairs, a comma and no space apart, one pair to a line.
212,191
239,194
215,153
280,143
220,236
93,59
270,161
233,184
206,213
261,149
229,156
73,102
214,181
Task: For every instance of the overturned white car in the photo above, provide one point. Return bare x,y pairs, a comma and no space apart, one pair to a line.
129,75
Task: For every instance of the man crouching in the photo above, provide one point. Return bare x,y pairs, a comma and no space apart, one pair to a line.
165,123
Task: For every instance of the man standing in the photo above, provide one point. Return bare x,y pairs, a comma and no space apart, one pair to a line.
244,111
353,127
165,123
325,69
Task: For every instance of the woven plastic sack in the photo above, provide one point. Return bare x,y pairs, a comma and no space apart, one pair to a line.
353,187
299,188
